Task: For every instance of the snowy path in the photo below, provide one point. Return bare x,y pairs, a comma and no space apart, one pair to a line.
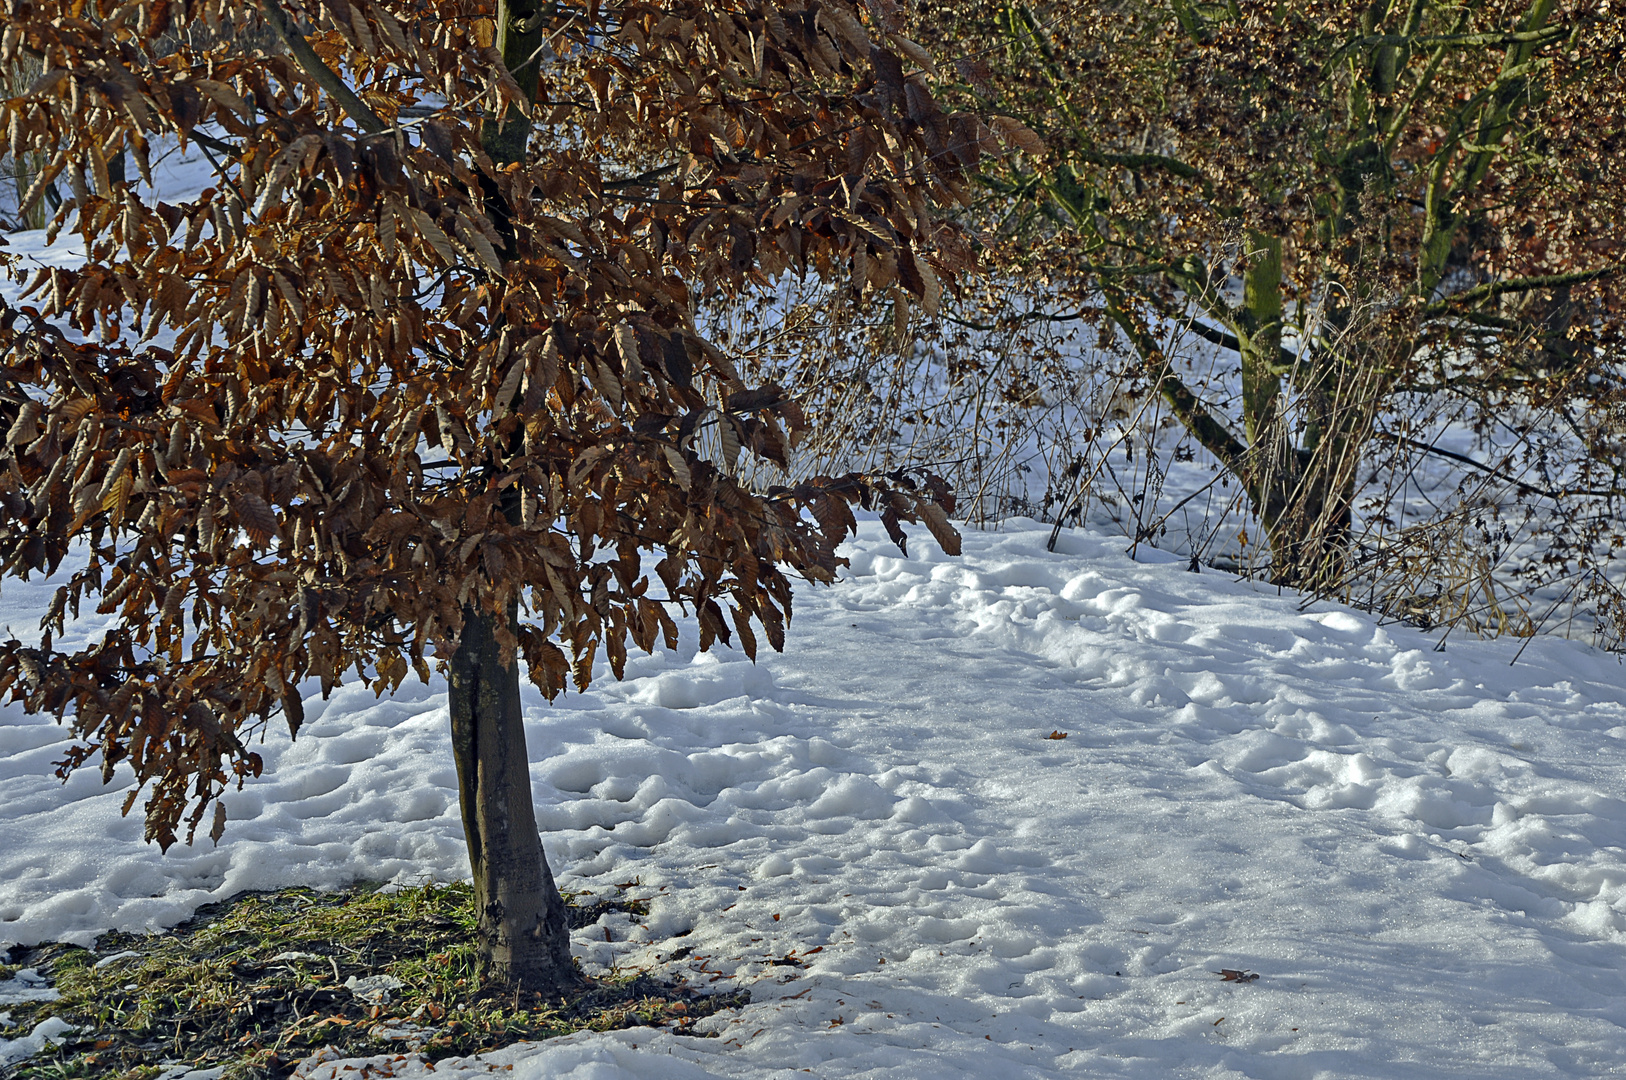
1422,853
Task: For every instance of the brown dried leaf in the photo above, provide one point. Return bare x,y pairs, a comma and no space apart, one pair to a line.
976,73
680,468
74,411
218,828
832,14
888,76
476,241
931,291
256,517
433,233
937,521
626,343
46,82
729,435
894,529
914,52
25,428
226,96
1013,132
508,393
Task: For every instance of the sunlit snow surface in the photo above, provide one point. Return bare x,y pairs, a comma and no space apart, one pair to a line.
1422,853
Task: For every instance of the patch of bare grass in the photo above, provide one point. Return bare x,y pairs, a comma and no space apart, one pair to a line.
258,982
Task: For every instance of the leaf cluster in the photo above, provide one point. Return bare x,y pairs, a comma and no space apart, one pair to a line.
388,371
1175,127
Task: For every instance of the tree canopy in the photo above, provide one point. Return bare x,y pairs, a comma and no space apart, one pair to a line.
421,367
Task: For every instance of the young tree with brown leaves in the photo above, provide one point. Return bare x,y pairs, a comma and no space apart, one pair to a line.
418,381
1357,202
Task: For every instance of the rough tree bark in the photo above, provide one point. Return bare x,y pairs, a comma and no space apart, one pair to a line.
524,940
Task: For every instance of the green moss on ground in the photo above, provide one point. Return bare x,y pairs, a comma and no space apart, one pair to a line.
257,982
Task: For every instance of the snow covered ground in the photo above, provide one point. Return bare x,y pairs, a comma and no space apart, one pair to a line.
1422,854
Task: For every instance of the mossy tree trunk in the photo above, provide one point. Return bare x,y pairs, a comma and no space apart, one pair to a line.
1303,489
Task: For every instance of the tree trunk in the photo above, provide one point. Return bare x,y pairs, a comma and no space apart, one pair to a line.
1274,474
1308,524
524,939
1310,514
1304,497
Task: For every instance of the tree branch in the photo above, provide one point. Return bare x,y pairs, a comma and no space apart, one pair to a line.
1528,489
1518,285
1428,41
1187,407
1192,277
1495,107
213,143
1141,161
643,178
326,77
1285,357
1425,82
1028,316
1215,337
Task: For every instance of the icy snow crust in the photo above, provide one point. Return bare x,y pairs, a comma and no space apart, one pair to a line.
1422,853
